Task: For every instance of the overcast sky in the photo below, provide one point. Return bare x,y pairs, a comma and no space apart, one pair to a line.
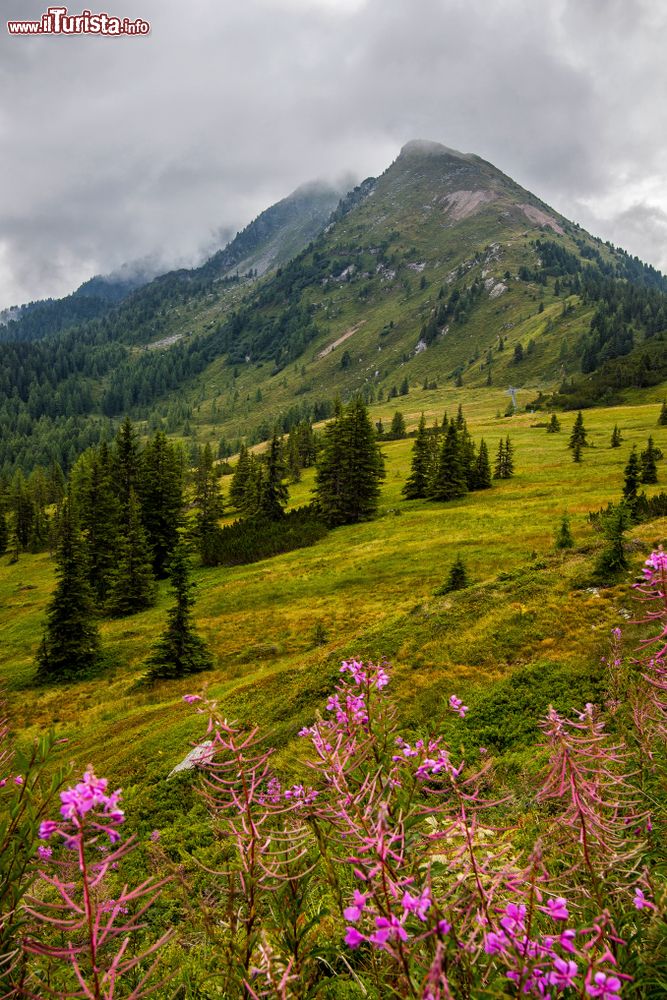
114,149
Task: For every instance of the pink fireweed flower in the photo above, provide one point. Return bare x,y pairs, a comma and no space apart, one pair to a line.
605,987
44,853
495,944
18,780
47,829
444,927
353,913
190,699
388,929
566,940
300,795
356,669
563,974
513,922
353,938
419,905
640,901
556,908
457,706
655,567
154,836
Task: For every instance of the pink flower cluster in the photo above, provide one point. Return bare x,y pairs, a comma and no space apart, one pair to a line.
88,796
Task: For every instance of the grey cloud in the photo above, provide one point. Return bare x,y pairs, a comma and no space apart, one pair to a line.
118,149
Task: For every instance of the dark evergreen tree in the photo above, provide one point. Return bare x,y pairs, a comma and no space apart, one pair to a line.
504,467
482,473
648,458
398,425
579,432
273,494
99,515
405,387
449,481
616,437
576,452
612,560
4,532
126,463
632,480
179,651
22,508
70,644
460,419
350,467
553,427
240,478
416,484
662,419
132,584
457,578
564,539
208,500
161,496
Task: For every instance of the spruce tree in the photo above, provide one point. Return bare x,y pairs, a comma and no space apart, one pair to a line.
99,515
612,560
208,500
70,644
161,495
449,481
662,419
616,437
482,475
576,452
179,651
564,539
579,432
553,427
23,509
504,467
132,584
4,532
457,578
649,473
417,482
632,474
350,467
240,478
126,462
500,461
273,493
398,425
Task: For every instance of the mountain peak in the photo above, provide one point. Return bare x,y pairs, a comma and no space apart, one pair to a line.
425,147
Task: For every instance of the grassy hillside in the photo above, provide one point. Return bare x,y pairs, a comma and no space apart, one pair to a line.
371,587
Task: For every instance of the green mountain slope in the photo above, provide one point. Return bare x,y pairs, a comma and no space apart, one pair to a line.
442,269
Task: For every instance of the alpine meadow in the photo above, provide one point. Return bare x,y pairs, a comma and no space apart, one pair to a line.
333,604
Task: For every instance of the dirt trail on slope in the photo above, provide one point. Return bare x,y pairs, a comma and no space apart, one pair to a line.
341,340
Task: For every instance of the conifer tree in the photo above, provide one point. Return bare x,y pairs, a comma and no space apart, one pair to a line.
649,469
564,539
23,509
405,387
350,467
209,505
504,467
417,482
613,560
179,651
449,481
579,432
553,427
273,494
4,532
457,578
662,419
132,584
576,452
460,419
482,474
70,644
616,437
398,425
99,515
632,474
160,492
240,478
126,462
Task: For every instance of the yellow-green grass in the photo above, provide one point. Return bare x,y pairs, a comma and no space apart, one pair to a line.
372,588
